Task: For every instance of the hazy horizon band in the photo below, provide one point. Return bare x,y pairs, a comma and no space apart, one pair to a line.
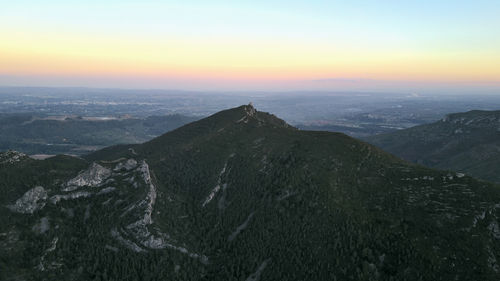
252,45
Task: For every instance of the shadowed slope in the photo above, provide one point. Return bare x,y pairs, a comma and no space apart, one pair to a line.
241,195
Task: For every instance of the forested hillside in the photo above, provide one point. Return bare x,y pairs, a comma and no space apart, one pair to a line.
464,142
241,195
33,134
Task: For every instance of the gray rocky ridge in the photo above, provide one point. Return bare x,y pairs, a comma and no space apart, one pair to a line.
11,157
127,165
93,176
33,200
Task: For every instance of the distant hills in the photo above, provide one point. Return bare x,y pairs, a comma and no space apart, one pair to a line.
466,142
241,195
38,134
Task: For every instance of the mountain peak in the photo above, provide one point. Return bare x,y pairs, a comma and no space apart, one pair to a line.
237,200
261,118
226,122
250,110
246,114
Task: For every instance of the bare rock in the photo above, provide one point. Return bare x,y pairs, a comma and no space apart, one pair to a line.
56,198
127,165
93,176
33,200
11,157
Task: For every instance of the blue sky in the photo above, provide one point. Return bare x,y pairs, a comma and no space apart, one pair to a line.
406,37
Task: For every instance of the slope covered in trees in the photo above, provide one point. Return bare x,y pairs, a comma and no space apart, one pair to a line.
34,134
241,195
465,142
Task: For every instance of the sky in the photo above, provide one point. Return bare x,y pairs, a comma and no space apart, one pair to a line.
384,45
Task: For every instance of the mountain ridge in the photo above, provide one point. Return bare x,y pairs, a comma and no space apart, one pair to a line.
224,199
465,142
40,134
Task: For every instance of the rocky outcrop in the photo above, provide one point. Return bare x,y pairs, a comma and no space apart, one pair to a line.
139,228
33,200
259,118
93,176
11,157
216,188
127,165
151,197
106,190
56,198
250,110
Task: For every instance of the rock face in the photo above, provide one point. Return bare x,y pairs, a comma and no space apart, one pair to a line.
78,194
11,157
252,116
127,165
93,176
250,110
33,200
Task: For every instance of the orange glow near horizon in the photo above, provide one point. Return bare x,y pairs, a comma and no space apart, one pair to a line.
249,43
236,61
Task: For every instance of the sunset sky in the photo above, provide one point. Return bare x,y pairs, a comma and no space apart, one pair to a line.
252,45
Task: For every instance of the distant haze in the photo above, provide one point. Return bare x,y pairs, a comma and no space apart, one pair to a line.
412,46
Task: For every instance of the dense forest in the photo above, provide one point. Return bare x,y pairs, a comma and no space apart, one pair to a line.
241,195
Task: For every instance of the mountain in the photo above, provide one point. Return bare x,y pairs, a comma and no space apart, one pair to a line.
241,195
465,142
36,134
